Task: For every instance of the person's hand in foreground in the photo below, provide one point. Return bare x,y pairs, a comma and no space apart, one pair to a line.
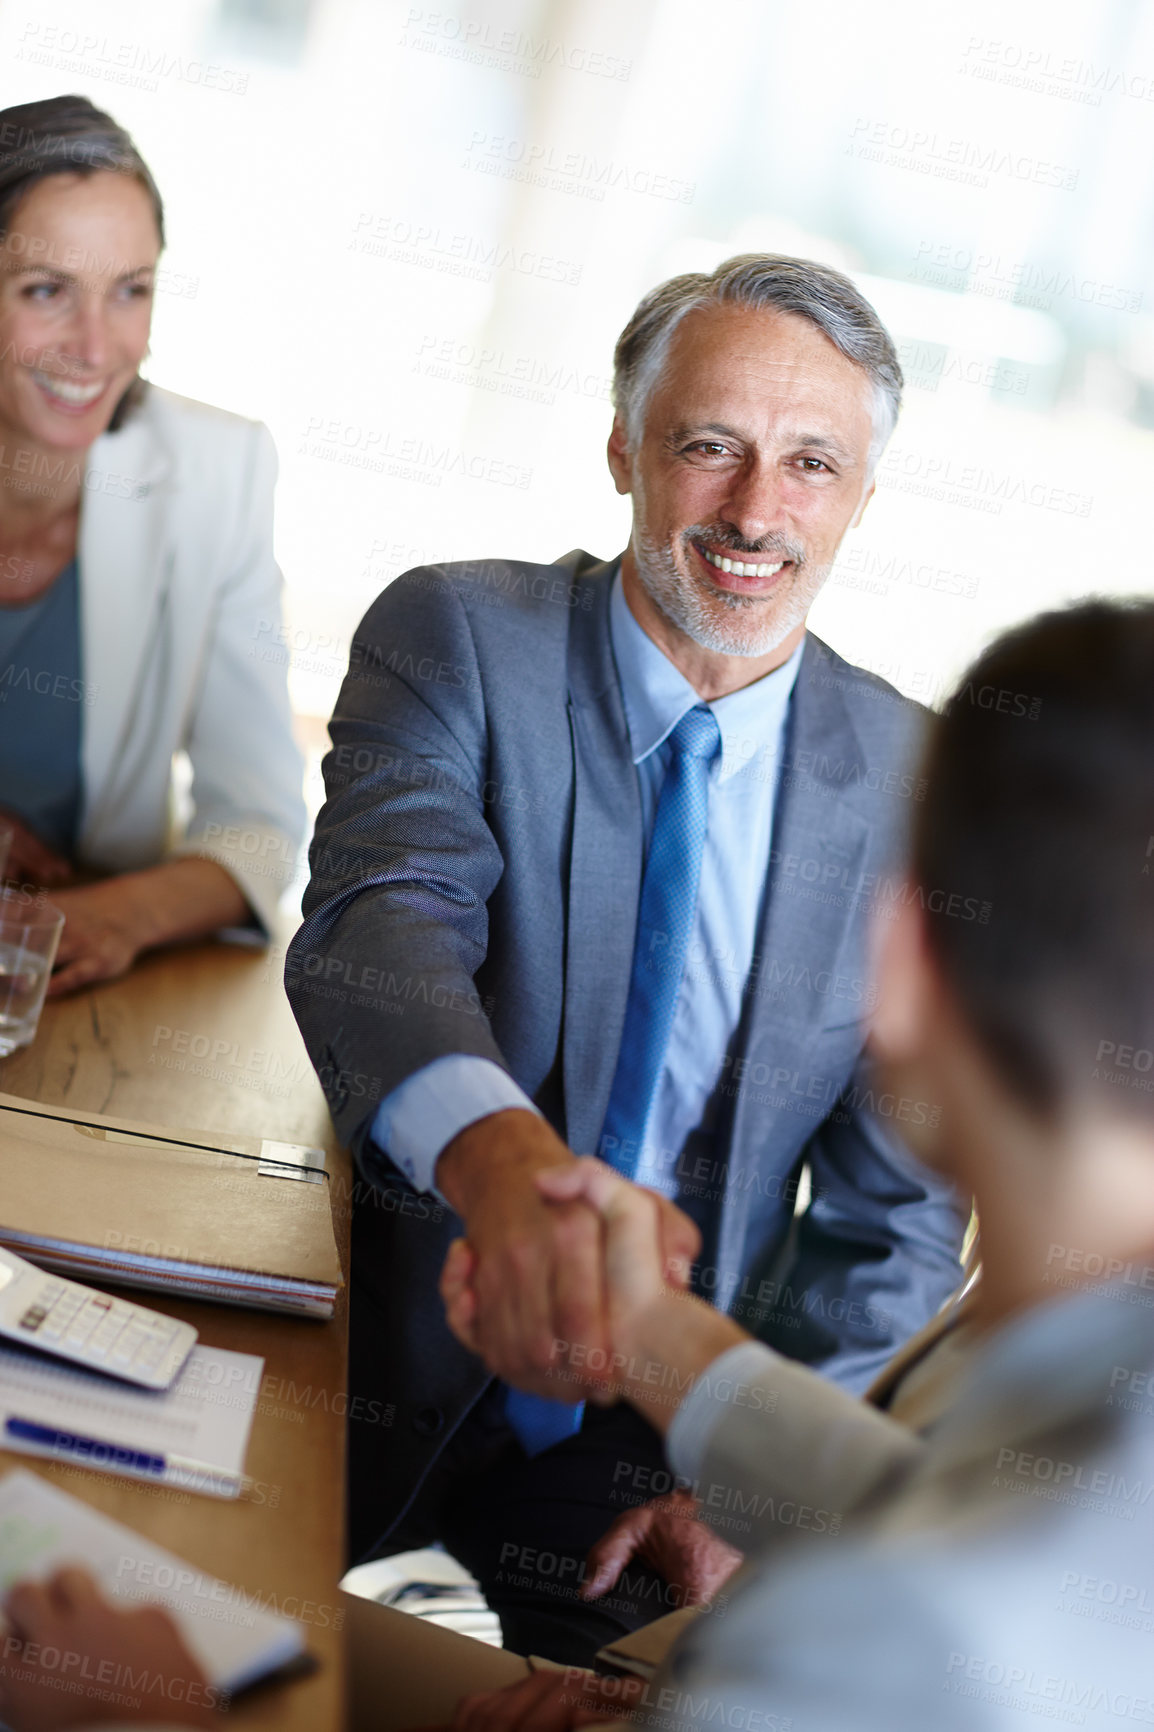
549,1702
651,1324
668,1534
70,1658
528,1293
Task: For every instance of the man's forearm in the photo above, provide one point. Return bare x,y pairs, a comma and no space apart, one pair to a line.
505,1146
418,1119
676,1340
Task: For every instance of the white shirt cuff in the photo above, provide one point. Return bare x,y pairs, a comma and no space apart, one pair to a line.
414,1123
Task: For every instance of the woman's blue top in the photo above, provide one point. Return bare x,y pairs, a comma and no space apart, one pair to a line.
42,697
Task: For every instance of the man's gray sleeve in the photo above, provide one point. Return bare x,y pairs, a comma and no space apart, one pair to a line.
765,1439
380,974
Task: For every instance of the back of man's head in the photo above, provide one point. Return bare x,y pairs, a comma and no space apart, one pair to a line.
1040,803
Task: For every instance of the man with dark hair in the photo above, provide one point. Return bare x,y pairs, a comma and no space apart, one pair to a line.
994,1555
593,874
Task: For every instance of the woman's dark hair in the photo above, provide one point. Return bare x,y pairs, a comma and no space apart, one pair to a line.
1040,802
69,135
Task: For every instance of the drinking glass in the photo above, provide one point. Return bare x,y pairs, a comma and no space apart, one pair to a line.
30,930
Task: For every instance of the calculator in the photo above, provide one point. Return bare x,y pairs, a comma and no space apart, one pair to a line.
88,1328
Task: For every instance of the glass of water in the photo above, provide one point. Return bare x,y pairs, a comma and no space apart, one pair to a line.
30,930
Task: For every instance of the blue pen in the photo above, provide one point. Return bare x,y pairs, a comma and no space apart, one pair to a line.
114,1455
71,1443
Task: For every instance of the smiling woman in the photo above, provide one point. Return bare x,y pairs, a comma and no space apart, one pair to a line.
136,575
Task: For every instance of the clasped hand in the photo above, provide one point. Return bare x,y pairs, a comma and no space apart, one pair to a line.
636,1322
560,1265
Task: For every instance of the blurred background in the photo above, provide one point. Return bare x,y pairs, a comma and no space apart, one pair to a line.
406,236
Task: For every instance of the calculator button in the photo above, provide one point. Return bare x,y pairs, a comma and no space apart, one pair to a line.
33,1317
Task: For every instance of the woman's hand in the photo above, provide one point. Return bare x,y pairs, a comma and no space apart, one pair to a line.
72,1659
107,925
31,861
101,939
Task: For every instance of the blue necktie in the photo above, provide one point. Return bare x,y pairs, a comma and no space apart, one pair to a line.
664,926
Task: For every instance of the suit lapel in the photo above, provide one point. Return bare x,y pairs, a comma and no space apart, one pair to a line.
817,858
604,867
125,558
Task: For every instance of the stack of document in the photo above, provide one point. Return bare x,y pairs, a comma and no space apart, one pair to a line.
193,1435
226,1218
230,1632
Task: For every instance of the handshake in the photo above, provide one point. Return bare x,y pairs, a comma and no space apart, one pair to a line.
571,1282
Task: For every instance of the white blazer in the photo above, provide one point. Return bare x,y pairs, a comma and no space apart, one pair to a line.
180,650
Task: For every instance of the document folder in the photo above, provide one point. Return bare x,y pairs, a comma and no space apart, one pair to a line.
235,1219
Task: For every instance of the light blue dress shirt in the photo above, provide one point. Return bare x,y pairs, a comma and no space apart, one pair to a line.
415,1122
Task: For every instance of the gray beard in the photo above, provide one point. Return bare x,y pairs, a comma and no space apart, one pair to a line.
747,628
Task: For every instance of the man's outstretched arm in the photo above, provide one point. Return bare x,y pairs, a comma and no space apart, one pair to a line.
381,975
739,1420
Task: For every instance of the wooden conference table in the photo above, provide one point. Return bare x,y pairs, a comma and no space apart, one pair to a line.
105,1051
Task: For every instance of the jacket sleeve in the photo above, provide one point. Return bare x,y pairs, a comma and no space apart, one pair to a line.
770,1448
248,809
877,1250
403,861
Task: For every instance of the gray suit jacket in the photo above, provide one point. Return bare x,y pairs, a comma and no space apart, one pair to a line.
476,874
997,1573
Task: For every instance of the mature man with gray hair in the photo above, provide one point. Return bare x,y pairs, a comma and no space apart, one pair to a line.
594,875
